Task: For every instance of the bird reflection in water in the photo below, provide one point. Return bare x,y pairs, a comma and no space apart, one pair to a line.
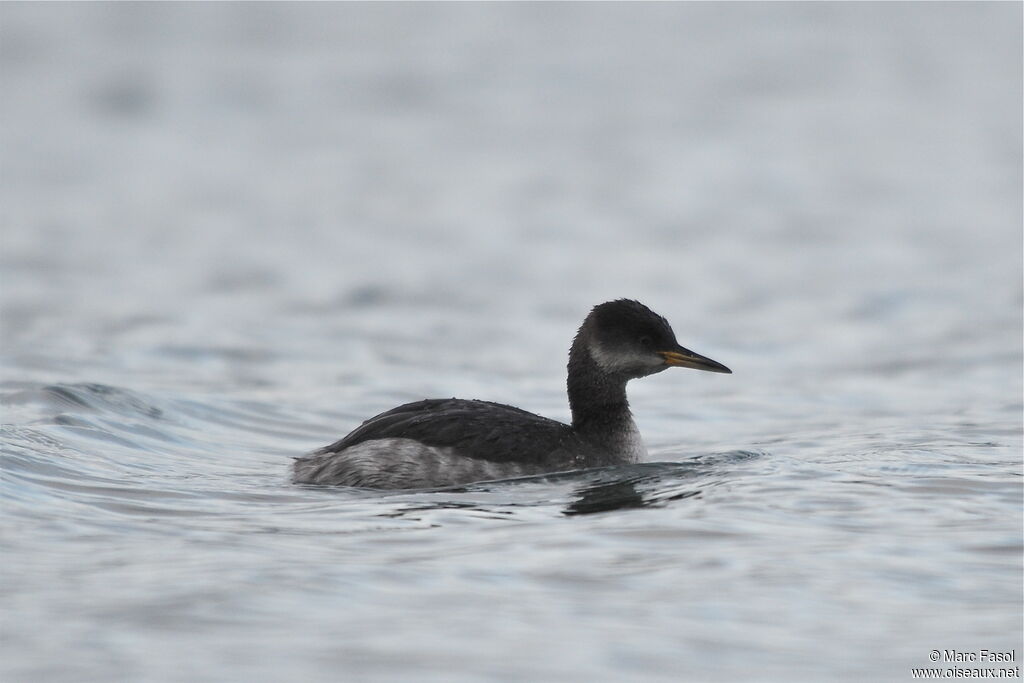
617,495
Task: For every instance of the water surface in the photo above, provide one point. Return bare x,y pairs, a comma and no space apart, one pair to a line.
232,232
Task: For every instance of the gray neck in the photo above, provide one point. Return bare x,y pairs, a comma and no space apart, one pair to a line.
597,399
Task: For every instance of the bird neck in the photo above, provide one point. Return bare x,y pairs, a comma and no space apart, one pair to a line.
597,399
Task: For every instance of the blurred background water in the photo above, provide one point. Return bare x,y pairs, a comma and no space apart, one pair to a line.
233,231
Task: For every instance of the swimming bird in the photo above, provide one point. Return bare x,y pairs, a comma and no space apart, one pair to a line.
445,442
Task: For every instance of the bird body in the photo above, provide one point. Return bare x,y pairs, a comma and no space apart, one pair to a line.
442,442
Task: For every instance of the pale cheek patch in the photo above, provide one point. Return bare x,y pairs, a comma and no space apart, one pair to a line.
612,362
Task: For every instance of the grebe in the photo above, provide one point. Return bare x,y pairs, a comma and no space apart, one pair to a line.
445,442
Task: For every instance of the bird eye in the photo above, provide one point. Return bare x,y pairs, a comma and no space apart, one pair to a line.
645,340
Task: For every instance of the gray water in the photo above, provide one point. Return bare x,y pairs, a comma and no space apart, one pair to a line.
232,232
